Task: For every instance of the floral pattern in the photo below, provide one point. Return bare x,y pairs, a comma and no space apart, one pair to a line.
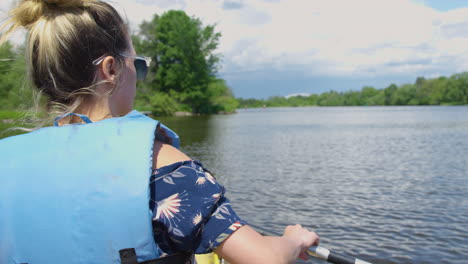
168,207
190,211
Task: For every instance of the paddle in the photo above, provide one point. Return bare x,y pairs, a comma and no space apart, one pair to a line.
332,257
323,253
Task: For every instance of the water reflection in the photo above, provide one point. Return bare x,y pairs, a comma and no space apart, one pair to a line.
191,129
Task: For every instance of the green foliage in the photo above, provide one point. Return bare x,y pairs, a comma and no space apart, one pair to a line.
251,103
12,115
438,91
185,66
10,121
221,98
276,101
15,93
162,104
331,98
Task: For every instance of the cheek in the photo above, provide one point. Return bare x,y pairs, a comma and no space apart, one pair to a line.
131,74
122,101
127,90
123,97
128,81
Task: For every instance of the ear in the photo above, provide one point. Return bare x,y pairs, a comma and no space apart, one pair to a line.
108,69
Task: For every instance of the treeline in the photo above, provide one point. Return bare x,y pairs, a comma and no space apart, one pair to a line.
182,76
451,90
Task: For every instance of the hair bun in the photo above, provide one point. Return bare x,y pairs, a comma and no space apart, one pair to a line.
29,11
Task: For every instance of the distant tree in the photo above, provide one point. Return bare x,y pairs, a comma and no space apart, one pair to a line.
312,99
368,92
352,98
250,103
404,95
277,101
461,86
423,91
438,90
453,93
331,98
299,100
388,94
377,99
183,53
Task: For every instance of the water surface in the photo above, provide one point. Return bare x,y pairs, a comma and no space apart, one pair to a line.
387,184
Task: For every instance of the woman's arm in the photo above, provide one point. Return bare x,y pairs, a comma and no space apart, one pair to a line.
247,246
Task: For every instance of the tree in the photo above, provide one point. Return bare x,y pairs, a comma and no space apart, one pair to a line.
352,98
461,83
183,51
331,98
221,98
404,95
378,99
438,90
388,94
368,92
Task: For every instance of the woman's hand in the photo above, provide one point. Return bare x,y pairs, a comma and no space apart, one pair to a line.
303,237
247,246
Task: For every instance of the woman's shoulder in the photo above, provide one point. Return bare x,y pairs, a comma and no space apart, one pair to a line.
172,166
186,175
165,154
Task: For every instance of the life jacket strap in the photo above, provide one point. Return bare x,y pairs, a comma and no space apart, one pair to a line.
83,117
128,256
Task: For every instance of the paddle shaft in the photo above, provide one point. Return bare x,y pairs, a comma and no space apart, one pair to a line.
323,253
332,257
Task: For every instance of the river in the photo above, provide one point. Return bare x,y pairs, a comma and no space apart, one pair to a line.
386,184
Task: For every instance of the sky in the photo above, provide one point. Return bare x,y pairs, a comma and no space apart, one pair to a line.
283,47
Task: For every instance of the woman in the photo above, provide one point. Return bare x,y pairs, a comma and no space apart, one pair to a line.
78,192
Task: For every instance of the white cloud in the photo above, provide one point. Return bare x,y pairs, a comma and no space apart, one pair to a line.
344,36
326,37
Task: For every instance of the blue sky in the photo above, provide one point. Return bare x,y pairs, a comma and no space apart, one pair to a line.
445,5
282,47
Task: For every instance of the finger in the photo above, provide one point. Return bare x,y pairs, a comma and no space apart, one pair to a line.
317,242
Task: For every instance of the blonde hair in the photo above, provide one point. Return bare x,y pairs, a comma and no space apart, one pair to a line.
64,38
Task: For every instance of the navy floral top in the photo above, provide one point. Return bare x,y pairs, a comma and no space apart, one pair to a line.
190,212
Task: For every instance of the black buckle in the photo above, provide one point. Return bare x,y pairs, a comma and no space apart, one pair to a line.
128,256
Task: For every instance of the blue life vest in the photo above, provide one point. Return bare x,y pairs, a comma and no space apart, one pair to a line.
79,193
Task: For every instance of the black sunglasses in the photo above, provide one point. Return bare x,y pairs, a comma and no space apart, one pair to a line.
141,65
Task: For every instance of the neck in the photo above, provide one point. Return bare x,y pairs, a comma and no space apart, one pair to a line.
96,109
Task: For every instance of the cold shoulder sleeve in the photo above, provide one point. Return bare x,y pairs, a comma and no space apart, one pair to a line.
190,211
